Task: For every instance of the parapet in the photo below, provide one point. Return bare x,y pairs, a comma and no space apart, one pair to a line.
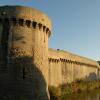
29,15
65,56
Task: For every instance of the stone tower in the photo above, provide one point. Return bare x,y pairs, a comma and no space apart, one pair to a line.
24,36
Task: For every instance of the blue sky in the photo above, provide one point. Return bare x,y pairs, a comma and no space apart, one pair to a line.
75,23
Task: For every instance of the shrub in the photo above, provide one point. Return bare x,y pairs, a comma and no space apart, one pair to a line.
55,92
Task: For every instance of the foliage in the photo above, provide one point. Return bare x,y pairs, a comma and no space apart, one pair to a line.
66,90
55,92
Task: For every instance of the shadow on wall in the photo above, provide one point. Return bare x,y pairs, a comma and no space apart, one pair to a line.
25,81
91,76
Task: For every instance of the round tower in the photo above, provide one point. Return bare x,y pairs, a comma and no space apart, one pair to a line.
24,36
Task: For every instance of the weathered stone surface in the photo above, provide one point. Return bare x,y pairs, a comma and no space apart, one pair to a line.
24,36
65,67
27,66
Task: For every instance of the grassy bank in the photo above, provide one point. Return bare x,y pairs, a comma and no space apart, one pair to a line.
58,93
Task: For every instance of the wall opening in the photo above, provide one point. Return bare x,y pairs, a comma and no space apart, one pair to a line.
47,30
44,28
23,73
34,25
28,23
21,22
40,26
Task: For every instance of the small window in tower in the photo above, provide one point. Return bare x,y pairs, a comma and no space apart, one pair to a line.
23,73
34,25
28,23
21,22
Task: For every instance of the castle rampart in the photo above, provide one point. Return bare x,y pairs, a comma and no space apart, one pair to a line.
27,66
24,36
71,67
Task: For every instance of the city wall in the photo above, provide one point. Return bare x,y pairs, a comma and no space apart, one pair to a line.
65,67
27,66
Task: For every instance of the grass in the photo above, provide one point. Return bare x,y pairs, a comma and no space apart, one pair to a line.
66,90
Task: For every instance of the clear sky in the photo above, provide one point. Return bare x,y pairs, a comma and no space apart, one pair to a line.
75,23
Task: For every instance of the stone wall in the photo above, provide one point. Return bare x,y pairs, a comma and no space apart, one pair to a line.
65,67
27,66
24,36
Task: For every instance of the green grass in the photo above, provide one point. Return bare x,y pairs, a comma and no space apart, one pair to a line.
66,90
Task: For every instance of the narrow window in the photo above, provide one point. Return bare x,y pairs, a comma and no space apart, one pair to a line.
23,73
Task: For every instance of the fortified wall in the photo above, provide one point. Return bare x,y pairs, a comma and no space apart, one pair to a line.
24,36
66,67
27,66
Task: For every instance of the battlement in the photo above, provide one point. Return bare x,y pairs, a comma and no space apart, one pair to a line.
25,16
71,67
26,23
64,56
27,66
71,62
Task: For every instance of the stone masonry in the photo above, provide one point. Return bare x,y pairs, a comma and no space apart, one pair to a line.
24,36
27,66
70,67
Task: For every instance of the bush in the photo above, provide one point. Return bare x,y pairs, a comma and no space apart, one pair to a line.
66,90
55,92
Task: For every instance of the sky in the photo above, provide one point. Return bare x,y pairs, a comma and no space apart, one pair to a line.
75,24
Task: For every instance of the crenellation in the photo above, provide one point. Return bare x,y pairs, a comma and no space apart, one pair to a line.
73,67
44,28
34,24
72,62
22,44
40,26
27,64
47,30
69,61
28,23
21,21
